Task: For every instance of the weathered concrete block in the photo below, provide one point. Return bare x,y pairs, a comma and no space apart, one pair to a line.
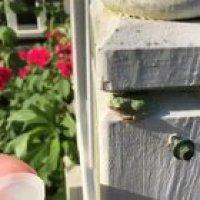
144,54
73,183
156,9
134,157
142,69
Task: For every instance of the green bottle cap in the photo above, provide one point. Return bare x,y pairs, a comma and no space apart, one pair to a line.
183,149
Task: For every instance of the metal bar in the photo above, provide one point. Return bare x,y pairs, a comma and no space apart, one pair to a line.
83,94
91,106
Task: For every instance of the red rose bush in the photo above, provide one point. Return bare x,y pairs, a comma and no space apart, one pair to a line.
39,56
36,123
24,72
5,76
42,57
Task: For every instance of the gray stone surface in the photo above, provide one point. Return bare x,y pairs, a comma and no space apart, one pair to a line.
74,188
134,157
156,9
73,183
142,69
145,54
148,57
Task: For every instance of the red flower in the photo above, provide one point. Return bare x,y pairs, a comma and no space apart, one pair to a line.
55,35
5,76
58,49
48,35
39,56
63,48
58,36
62,56
24,72
65,67
23,55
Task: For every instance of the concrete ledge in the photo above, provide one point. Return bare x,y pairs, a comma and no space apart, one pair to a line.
156,9
73,180
134,156
74,189
136,54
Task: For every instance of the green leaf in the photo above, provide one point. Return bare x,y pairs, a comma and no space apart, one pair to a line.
27,117
14,60
54,154
137,105
37,100
41,113
70,149
45,74
32,82
40,155
18,82
66,88
22,116
19,145
7,36
3,113
69,123
1,7
22,6
38,10
63,87
18,7
52,161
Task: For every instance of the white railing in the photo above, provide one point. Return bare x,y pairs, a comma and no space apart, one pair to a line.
80,17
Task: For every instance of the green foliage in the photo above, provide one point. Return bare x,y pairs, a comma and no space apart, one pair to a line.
1,7
36,123
2,13
8,37
55,13
23,6
55,10
11,58
129,105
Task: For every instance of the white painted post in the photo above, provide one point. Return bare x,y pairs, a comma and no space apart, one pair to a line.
84,96
67,6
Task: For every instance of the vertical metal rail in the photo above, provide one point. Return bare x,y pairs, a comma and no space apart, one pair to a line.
89,84
90,105
80,19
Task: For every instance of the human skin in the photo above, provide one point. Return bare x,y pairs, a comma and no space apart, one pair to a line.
4,195
10,165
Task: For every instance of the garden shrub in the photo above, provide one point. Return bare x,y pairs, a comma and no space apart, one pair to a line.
36,117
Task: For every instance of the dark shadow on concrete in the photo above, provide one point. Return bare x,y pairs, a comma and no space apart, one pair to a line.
76,193
109,193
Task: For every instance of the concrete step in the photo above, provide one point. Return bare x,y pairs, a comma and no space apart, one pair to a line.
135,157
134,54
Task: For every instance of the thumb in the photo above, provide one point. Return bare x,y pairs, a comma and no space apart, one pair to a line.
10,165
